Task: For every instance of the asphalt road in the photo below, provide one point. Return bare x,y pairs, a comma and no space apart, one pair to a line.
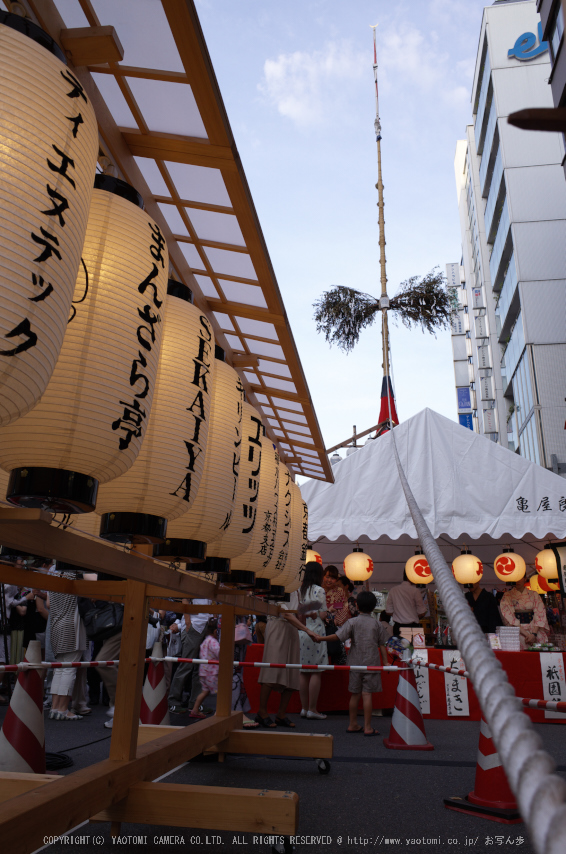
372,799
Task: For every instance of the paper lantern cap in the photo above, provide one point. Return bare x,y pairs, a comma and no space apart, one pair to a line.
509,566
62,491
177,549
27,28
133,528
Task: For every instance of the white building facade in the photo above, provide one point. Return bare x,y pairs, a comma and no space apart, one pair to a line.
509,330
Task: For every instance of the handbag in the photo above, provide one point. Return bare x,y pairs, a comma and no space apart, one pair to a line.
103,623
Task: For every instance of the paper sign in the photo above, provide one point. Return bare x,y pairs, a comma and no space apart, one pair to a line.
457,704
422,680
553,680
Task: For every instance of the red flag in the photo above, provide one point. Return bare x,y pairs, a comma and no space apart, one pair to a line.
387,413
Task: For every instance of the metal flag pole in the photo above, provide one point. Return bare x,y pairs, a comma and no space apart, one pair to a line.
384,299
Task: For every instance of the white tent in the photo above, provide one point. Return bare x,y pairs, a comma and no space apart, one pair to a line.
470,490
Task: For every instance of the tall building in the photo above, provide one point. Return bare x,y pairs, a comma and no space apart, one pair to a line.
509,328
552,15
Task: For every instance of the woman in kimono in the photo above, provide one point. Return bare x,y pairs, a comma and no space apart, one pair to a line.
524,608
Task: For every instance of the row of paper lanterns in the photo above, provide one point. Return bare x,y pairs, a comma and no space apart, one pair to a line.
113,393
466,568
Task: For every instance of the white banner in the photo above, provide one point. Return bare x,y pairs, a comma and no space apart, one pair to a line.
422,679
457,704
553,680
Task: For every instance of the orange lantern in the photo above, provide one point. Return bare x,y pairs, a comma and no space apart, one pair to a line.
358,566
509,566
417,569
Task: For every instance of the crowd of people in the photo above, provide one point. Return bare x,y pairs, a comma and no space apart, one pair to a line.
323,622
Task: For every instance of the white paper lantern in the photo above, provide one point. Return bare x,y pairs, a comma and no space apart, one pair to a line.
91,421
290,577
417,569
313,556
48,152
239,534
509,566
545,564
281,545
163,482
258,557
467,568
302,551
212,509
358,566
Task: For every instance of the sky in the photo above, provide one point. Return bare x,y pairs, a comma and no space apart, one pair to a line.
297,82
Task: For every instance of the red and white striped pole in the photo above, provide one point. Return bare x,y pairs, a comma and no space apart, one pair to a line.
22,739
154,709
407,727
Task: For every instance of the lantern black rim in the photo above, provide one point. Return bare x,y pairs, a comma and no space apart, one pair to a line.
262,586
239,578
33,32
56,490
276,591
178,549
118,188
179,290
137,528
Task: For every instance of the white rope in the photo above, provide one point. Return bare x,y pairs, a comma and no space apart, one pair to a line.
540,793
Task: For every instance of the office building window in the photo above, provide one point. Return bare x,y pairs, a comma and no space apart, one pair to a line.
556,31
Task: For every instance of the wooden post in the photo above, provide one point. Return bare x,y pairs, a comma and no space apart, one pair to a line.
224,696
130,673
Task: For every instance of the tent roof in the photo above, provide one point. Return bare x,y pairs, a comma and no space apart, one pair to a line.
469,489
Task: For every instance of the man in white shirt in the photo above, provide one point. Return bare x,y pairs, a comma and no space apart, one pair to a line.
191,629
406,605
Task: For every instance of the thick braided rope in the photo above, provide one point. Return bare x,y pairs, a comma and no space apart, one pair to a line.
540,793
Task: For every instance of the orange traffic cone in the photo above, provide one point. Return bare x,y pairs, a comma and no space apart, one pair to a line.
491,798
22,740
154,708
407,727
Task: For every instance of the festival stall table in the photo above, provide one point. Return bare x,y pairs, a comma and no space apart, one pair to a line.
448,697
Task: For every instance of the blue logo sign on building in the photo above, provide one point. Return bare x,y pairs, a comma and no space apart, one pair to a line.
524,48
466,420
464,398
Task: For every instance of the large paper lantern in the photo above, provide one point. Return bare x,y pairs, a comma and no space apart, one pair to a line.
467,568
417,569
509,566
90,423
302,534
258,557
358,566
163,482
48,152
545,563
283,534
211,512
290,577
236,538
313,556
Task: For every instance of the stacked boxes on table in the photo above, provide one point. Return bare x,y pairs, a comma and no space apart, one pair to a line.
510,638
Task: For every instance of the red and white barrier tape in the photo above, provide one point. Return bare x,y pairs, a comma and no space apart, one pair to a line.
12,668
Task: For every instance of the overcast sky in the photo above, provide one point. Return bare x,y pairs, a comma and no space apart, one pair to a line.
297,81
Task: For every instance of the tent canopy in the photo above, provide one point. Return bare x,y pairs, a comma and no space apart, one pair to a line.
470,490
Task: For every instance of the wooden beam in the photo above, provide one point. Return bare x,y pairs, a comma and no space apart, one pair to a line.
149,732
540,118
70,800
245,361
92,45
130,677
179,149
258,742
226,662
222,808
14,783
43,581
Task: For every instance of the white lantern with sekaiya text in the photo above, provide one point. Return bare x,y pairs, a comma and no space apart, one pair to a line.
358,566
211,512
467,569
163,482
48,152
90,423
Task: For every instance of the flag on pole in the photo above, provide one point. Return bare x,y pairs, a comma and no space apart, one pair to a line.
388,413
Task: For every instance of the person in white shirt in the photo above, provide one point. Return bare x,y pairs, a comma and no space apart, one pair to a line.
405,604
192,634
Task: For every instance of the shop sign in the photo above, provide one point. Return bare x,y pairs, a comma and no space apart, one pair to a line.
457,322
481,326
484,356
457,704
422,679
553,680
524,48
464,398
477,298
489,421
486,388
